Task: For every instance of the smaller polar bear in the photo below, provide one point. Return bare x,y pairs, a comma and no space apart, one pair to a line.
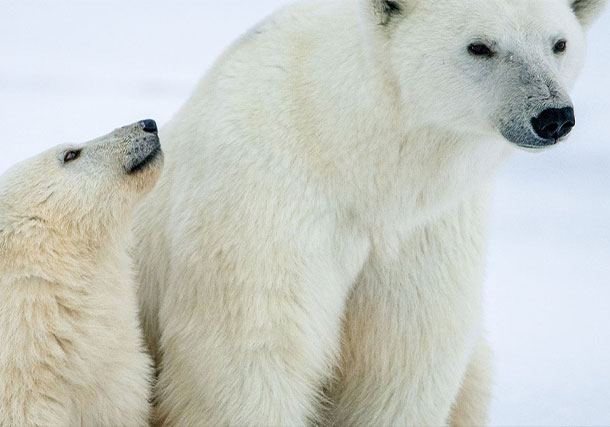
72,351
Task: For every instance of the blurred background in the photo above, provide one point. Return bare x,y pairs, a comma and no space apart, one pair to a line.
71,71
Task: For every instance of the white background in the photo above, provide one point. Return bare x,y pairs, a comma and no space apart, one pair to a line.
72,71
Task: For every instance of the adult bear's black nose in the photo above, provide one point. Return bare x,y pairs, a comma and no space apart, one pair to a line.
149,126
553,123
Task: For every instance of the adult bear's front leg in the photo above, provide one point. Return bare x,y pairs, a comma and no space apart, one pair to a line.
471,407
250,321
411,326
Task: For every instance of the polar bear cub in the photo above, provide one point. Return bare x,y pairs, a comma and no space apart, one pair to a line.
72,352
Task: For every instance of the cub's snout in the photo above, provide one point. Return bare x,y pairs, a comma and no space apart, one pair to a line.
149,125
144,151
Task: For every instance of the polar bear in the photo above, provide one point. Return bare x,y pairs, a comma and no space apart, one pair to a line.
72,350
314,251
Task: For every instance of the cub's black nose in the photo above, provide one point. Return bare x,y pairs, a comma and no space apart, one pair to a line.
553,123
149,126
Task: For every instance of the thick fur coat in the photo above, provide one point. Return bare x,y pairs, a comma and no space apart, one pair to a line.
315,247
72,351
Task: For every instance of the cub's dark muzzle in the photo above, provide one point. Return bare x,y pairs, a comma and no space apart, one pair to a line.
145,147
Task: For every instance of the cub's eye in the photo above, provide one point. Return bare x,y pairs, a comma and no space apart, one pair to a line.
560,46
480,49
71,155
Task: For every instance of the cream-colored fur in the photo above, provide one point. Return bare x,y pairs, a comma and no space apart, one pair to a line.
323,211
72,351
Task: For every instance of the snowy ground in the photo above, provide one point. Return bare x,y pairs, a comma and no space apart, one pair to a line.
71,71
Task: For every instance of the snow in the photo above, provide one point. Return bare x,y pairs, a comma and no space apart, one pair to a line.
72,71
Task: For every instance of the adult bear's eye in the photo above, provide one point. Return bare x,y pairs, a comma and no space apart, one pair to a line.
480,49
560,46
71,155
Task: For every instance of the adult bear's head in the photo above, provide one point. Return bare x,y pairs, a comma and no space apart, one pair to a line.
485,67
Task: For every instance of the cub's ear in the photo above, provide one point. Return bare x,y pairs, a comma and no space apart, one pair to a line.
385,11
587,11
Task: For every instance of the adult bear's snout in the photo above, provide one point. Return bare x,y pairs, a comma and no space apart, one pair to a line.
554,123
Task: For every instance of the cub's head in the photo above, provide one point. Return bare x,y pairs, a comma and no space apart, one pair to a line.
76,196
484,67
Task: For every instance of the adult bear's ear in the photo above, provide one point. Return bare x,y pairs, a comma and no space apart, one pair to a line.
587,11
386,11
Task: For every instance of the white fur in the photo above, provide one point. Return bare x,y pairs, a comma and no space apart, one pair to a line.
72,350
323,211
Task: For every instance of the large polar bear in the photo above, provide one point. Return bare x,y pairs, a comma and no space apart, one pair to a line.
314,251
71,348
